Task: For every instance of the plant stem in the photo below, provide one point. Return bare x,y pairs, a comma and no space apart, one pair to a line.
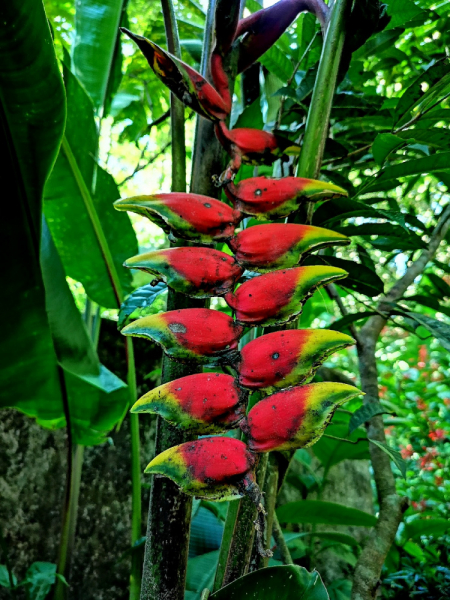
317,122
270,492
75,464
281,542
136,508
131,374
236,547
167,545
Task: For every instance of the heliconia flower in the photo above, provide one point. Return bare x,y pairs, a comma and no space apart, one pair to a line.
278,297
200,403
280,245
187,216
264,27
182,80
252,147
198,272
220,79
214,468
191,334
267,198
294,418
286,358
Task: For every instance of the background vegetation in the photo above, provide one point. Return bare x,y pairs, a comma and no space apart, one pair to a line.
64,364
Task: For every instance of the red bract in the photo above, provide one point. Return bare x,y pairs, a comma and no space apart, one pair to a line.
280,245
251,146
200,403
191,334
278,297
198,272
285,358
217,468
182,80
267,198
220,79
187,216
264,27
294,418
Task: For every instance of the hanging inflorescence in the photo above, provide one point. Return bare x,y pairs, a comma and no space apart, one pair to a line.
282,363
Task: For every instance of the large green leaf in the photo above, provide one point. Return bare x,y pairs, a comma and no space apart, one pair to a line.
96,38
275,583
365,413
434,527
332,451
384,144
32,114
417,166
200,574
66,206
438,329
360,278
394,455
97,399
328,513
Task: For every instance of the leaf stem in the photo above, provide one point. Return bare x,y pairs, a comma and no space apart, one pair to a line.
131,374
281,542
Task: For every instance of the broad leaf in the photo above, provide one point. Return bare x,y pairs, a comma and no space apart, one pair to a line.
32,114
277,63
39,580
330,451
438,329
384,144
413,95
360,278
365,413
96,37
342,324
97,399
142,302
428,164
328,513
68,194
332,536
441,286
275,583
432,527
200,574
378,43
428,301
394,455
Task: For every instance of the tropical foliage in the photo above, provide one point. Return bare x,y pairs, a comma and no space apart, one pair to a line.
85,121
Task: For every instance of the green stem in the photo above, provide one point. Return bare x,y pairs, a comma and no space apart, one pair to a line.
167,545
281,542
317,122
136,508
69,519
270,491
131,374
236,548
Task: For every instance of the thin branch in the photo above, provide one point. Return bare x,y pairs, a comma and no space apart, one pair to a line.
151,160
278,536
334,295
